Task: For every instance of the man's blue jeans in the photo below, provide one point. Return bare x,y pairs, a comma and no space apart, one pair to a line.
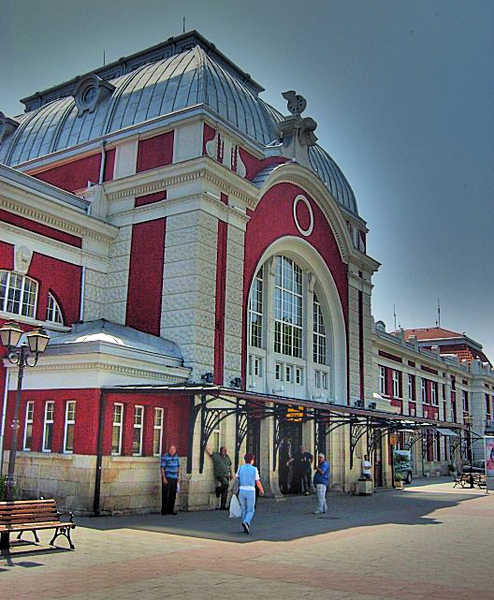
248,503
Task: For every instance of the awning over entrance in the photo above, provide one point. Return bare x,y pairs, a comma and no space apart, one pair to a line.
447,432
249,408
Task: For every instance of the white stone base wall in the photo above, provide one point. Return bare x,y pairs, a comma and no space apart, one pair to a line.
69,478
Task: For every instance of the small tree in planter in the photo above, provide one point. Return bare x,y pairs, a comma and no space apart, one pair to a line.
398,481
3,490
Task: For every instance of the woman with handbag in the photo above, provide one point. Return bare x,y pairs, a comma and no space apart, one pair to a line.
248,478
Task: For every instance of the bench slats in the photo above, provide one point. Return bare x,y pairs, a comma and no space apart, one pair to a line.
28,526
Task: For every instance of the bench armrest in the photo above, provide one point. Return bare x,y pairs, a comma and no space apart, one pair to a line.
69,513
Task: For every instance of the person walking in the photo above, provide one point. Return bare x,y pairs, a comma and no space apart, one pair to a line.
170,472
248,479
222,473
321,481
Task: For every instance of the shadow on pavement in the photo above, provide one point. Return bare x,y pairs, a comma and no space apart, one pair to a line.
293,517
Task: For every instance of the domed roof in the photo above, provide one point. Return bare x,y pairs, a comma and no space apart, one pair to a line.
197,75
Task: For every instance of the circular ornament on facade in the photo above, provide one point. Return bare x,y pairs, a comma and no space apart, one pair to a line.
305,231
88,95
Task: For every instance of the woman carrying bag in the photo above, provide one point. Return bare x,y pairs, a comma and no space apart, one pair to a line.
248,478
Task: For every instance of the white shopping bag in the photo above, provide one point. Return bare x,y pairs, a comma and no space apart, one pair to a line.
235,508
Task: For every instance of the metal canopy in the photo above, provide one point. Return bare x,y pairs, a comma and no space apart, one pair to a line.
250,408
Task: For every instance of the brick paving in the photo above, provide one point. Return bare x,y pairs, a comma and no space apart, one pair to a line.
429,542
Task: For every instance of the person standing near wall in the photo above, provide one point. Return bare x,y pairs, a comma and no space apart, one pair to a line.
321,481
366,468
222,473
248,479
170,472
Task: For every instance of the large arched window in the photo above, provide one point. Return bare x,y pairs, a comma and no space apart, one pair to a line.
18,294
290,334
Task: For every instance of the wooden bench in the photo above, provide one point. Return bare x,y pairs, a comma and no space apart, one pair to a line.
32,515
470,480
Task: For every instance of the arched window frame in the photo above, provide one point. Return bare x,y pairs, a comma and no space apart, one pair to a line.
18,294
307,378
53,311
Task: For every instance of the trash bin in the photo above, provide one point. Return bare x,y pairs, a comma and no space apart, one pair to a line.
365,487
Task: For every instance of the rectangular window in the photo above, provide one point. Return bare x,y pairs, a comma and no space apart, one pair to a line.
434,399
116,438
157,431
423,390
324,380
396,384
137,435
257,366
68,436
288,308
288,373
317,379
411,387
319,334
277,371
255,310
48,427
299,377
382,380
28,426
464,395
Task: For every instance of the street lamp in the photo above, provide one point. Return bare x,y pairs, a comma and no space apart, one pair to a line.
23,355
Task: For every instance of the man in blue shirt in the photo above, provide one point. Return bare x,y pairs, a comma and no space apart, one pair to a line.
321,481
170,472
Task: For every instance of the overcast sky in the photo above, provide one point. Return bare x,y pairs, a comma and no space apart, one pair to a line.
403,93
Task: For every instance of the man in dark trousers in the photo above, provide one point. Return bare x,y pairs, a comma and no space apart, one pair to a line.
222,473
170,472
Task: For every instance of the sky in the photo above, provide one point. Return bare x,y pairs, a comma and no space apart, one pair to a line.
403,94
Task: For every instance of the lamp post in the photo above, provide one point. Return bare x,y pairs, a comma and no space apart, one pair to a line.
23,355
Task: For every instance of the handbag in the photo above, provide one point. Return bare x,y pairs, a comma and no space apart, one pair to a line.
235,508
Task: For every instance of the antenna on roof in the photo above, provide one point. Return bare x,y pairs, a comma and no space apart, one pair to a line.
104,58
394,314
183,25
438,322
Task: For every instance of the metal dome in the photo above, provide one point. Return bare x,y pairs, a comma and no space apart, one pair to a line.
198,75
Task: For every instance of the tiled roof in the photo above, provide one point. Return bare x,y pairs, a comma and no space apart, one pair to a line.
432,333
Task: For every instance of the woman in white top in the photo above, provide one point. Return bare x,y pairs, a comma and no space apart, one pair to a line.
248,479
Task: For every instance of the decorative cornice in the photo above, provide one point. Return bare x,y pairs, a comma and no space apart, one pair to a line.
96,366
52,221
202,167
55,243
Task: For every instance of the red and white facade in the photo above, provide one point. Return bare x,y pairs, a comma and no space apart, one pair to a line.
211,236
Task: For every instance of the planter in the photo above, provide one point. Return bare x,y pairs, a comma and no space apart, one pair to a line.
399,485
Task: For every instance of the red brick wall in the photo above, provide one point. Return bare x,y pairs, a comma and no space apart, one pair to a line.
61,278
147,256
175,426
155,152
86,420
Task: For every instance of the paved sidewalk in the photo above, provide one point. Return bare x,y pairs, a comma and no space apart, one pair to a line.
428,542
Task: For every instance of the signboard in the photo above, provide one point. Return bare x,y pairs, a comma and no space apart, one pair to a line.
393,439
295,414
489,456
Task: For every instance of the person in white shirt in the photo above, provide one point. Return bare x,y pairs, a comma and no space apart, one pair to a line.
366,468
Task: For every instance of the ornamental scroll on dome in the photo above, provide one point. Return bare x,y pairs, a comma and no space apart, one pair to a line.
305,127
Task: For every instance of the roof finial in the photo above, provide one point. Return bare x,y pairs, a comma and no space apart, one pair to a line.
183,25
296,104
